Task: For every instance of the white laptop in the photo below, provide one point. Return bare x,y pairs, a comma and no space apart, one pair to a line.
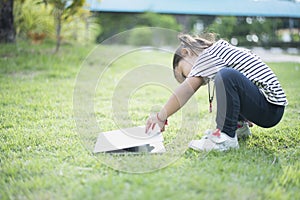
130,140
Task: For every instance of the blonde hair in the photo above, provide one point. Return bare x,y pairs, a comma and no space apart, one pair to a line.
195,43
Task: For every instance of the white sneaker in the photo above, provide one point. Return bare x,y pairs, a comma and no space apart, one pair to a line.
216,140
243,130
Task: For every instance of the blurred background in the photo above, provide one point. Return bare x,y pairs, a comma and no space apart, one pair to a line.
249,23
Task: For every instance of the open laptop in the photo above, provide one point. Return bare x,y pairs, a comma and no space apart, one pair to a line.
130,140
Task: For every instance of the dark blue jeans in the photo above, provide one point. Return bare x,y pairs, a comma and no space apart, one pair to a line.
240,99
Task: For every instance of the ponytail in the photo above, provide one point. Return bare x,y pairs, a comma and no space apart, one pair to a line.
195,43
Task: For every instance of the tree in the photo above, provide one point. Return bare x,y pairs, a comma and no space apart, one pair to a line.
62,10
7,29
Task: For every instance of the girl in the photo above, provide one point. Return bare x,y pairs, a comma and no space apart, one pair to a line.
246,89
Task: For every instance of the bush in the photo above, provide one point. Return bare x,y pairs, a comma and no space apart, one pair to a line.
32,19
140,37
112,24
35,20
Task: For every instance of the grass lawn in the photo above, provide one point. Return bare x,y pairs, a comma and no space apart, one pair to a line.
43,157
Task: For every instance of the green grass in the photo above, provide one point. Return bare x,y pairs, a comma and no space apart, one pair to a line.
43,157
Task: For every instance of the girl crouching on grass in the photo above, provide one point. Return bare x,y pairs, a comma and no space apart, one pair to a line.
246,90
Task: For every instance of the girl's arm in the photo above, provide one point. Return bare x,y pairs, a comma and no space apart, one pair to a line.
180,96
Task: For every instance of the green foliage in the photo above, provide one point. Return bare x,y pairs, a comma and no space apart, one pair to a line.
80,27
62,10
112,24
32,17
67,8
42,156
263,28
244,29
158,20
223,26
140,37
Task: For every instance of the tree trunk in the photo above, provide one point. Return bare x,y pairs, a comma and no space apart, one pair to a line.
58,30
87,25
7,29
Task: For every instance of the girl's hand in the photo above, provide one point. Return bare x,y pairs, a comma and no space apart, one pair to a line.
153,120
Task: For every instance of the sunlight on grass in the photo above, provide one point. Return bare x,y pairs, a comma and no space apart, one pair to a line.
43,156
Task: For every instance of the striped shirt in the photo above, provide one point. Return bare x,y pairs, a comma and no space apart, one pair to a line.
222,54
